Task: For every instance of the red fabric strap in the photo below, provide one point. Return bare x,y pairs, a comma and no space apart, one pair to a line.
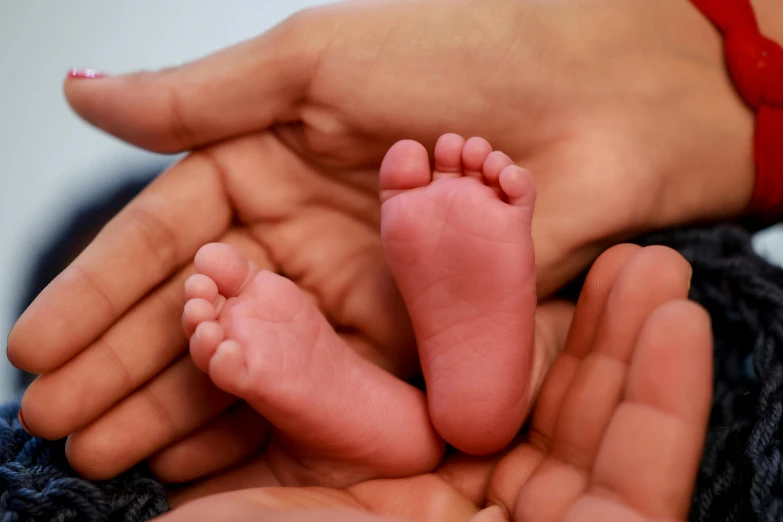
755,64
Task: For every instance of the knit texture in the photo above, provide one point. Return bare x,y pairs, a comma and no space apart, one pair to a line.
37,485
741,475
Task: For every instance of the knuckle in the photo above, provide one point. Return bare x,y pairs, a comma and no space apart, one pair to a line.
159,237
179,129
113,364
88,282
161,416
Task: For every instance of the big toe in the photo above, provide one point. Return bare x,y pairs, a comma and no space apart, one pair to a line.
226,266
406,166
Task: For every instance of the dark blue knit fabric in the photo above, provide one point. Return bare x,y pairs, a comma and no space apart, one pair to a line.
37,485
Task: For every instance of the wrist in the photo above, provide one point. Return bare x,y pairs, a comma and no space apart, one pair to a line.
714,177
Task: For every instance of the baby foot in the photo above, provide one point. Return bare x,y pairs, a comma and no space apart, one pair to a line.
459,245
262,339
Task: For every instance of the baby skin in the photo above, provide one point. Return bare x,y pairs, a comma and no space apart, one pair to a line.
458,243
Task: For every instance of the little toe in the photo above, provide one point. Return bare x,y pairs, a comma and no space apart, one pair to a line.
493,166
204,342
227,266
474,154
196,312
448,156
199,286
406,166
228,369
519,186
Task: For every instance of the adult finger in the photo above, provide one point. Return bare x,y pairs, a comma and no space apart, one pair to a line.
243,88
131,352
226,440
516,467
275,504
650,454
168,408
581,331
651,278
426,498
142,246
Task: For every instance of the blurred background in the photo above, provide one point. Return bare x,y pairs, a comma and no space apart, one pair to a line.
54,167
53,164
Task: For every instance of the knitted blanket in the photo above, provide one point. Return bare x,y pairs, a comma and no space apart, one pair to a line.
37,485
741,475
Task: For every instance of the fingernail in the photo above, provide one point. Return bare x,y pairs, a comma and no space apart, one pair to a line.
23,423
85,73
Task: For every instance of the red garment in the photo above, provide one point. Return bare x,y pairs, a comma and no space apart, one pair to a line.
755,64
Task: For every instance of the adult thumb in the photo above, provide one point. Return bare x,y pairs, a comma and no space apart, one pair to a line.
243,88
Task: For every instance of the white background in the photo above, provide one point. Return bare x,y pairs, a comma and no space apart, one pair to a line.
51,161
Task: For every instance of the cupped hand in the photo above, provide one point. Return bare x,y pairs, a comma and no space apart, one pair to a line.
616,435
621,109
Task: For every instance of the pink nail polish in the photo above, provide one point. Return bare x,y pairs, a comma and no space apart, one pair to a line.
85,73
22,422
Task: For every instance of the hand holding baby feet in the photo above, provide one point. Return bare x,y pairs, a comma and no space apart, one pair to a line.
459,245
338,418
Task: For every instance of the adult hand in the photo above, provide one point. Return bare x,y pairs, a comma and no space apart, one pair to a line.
616,435
621,109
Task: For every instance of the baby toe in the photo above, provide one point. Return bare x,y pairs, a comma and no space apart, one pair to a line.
196,312
199,286
406,166
228,370
227,266
474,154
493,165
204,342
519,186
448,156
